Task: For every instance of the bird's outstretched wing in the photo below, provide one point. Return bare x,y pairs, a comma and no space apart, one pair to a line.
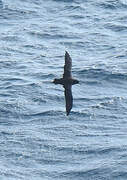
68,98
67,66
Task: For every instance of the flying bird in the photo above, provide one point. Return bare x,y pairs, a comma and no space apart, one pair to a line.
67,81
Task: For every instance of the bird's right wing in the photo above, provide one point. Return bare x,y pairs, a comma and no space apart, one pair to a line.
68,98
67,66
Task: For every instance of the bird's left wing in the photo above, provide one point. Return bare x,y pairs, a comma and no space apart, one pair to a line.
68,98
67,66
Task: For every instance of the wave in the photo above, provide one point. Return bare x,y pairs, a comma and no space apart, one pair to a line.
113,5
67,1
123,3
116,27
9,13
1,4
101,74
44,113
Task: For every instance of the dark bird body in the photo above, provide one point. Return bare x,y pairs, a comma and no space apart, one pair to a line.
67,81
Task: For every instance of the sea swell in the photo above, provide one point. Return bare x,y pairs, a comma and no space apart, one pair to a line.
38,140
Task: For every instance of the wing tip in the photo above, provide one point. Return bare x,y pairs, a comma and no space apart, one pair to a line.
66,53
68,57
67,113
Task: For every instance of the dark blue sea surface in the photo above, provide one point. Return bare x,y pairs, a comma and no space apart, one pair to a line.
37,140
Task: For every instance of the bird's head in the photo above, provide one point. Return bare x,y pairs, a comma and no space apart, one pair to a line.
56,81
75,81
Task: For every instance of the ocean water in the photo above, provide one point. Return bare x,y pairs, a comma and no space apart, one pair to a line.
37,140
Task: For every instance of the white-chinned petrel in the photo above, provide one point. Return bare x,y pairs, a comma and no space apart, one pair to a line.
67,81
